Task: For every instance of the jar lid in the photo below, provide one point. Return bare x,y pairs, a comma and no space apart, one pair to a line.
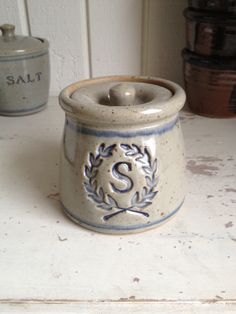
122,99
220,6
16,45
209,17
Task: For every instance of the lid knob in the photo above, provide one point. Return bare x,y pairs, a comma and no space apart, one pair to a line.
8,32
122,95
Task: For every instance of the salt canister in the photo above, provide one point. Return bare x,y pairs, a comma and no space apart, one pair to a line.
24,68
122,156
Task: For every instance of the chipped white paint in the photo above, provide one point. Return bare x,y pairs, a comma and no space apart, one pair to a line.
100,37
121,308
48,263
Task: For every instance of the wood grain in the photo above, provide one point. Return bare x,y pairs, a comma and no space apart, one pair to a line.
167,307
64,24
164,38
13,12
91,38
115,36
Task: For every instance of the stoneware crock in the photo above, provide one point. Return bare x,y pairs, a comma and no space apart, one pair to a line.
210,84
122,159
24,67
210,33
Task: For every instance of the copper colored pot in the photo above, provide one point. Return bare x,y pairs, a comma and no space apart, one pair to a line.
210,85
210,34
214,5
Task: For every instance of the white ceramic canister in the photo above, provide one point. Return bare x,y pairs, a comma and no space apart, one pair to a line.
24,68
122,156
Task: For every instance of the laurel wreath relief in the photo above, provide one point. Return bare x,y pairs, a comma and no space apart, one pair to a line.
140,199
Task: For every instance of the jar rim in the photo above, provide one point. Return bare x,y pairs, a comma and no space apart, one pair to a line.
98,114
212,17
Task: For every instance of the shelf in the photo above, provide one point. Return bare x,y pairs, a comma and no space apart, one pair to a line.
47,262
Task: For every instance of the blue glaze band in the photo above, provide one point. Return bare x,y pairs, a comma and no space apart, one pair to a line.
122,228
22,110
105,133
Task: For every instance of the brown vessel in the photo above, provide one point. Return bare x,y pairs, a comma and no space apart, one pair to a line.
228,6
210,85
211,33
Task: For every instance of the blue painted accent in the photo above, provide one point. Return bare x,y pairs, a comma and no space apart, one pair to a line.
20,58
104,133
22,110
122,228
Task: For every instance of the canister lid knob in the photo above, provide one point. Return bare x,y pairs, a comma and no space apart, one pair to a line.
122,94
8,32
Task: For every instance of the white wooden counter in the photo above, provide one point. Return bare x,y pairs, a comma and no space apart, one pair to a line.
49,264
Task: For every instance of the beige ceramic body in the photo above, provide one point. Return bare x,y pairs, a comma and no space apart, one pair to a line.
134,153
25,73
24,84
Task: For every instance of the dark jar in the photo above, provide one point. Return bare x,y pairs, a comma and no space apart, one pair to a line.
210,34
228,6
210,85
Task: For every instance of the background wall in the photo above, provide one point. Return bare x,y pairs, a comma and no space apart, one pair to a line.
90,38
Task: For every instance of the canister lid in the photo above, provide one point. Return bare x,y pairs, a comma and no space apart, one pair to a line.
223,19
15,45
220,6
121,93
122,99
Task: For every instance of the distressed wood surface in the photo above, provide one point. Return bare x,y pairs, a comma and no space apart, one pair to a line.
120,307
188,263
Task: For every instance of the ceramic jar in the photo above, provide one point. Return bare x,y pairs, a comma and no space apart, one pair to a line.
210,85
122,159
227,6
210,34
24,67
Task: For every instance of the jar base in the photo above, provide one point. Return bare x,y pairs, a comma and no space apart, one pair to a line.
23,112
118,230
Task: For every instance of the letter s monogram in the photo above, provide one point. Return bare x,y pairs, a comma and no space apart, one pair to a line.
120,176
